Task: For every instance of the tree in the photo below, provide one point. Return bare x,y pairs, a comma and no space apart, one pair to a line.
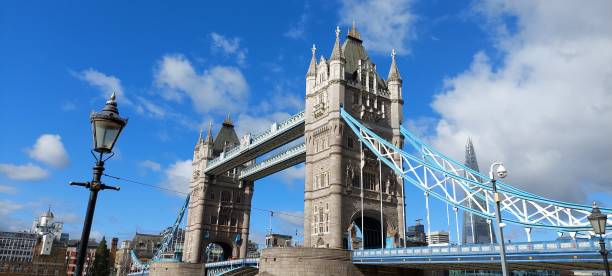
101,261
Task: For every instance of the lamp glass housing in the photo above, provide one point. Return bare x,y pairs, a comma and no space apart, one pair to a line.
598,221
105,132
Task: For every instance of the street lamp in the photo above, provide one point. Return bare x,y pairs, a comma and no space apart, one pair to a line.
501,172
106,126
598,221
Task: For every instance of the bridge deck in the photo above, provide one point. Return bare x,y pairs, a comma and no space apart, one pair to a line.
522,256
278,135
289,158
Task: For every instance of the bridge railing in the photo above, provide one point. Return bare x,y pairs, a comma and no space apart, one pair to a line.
258,139
236,262
282,156
526,247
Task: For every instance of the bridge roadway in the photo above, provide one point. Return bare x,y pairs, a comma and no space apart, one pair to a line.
254,146
552,255
286,159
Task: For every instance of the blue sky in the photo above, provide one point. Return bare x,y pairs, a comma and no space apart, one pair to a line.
529,82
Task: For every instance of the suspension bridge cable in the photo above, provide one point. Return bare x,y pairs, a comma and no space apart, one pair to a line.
184,193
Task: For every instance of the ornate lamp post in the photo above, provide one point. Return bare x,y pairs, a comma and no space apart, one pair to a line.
106,126
501,172
598,221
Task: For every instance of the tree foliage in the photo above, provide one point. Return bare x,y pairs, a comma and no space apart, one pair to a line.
101,264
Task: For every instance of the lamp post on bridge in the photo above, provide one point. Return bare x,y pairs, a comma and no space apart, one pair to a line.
501,172
598,222
106,126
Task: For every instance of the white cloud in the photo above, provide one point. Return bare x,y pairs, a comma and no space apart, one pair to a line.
258,123
292,174
27,172
298,29
384,25
547,109
50,150
8,189
229,46
210,91
151,165
178,175
107,84
7,223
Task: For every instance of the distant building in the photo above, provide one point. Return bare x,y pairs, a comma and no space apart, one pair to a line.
48,230
123,260
113,253
16,252
144,245
252,250
278,240
438,238
416,233
42,251
475,228
71,255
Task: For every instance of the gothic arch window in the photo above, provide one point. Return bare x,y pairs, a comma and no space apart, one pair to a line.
225,196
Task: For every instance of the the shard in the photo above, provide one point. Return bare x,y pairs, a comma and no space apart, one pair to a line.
475,228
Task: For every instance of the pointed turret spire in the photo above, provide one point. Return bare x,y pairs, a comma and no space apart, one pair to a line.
337,51
393,71
312,69
209,139
470,156
228,121
199,142
353,32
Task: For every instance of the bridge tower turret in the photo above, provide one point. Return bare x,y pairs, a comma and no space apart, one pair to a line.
312,71
332,200
219,205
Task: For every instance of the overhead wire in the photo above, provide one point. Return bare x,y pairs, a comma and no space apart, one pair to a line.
184,193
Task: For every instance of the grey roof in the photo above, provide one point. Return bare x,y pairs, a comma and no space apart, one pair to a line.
337,50
312,68
393,71
353,51
226,138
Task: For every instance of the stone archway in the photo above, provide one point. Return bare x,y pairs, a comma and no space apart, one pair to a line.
217,251
371,232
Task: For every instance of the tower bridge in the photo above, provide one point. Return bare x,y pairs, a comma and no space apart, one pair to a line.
358,159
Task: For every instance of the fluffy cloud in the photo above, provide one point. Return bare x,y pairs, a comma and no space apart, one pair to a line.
384,25
27,172
298,29
151,165
292,174
50,150
547,109
7,223
8,189
229,46
211,90
178,175
108,84
105,83
258,123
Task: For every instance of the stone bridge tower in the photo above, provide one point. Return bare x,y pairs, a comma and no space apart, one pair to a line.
332,201
219,206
